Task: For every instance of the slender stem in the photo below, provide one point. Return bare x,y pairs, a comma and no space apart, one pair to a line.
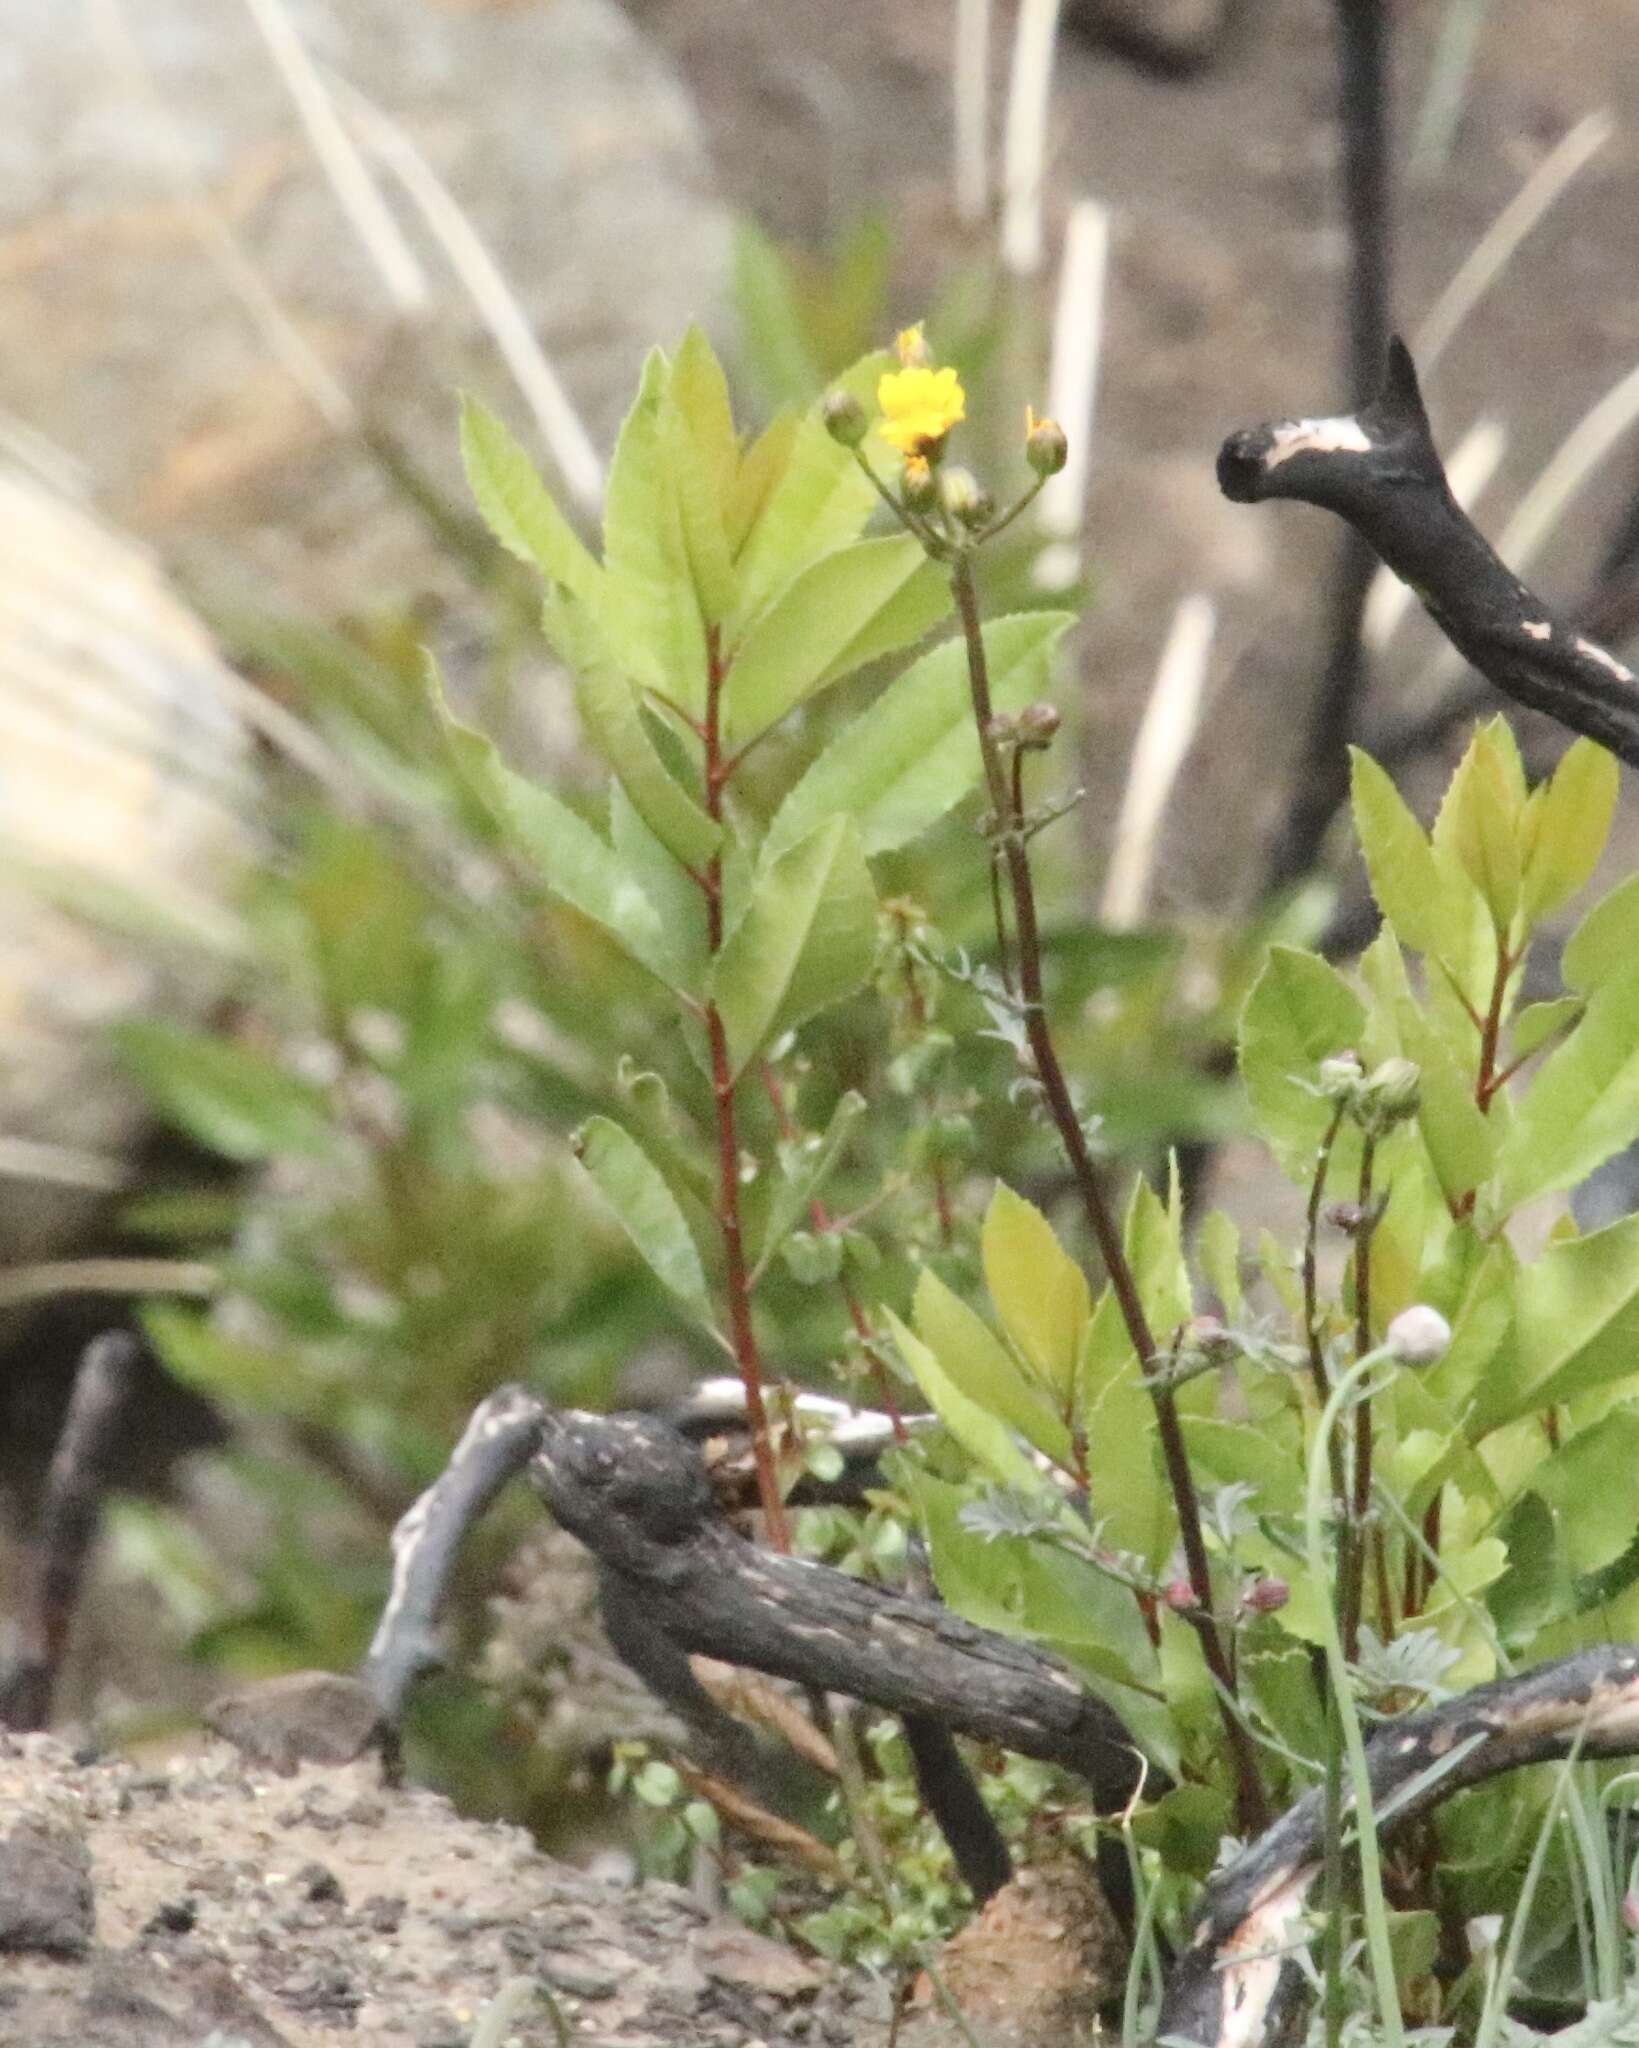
1353,1570
917,1007
1489,1080
1095,1200
746,1353
1311,1286
1332,1879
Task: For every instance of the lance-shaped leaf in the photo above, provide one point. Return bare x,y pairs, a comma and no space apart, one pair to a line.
1583,1105
1576,1320
985,1370
648,1212
518,508
700,513
1606,941
807,940
914,755
1429,906
651,616
613,718
846,609
1040,1293
1567,823
1480,823
230,1097
820,501
700,392
759,470
984,1436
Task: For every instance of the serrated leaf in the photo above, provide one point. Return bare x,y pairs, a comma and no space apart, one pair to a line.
650,615
848,608
820,502
1484,809
1606,942
903,764
760,469
233,1099
700,513
807,940
1039,1292
984,1369
614,722
1569,827
1406,880
983,1435
1576,1321
1301,1011
1583,1104
699,389
518,508
646,1208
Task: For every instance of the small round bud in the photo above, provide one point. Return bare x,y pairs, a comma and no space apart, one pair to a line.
1180,1596
965,498
1340,1076
1208,1335
1630,1912
1045,447
919,484
910,345
1002,729
1419,1335
1392,1093
1038,725
1346,1216
1266,1596
844,418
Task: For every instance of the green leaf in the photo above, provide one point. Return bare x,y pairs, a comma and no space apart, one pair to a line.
1219,1249
700,392
1606,942
807,940
820,502
899,767
984,1369
518,508
984,1436
679,901
1040,1292
805,1173
700,513
1568,828
781,358
1538,1022
1576,1321
1410,888
1484,813
760,469
272,1380
848,608
651,616
648,1212
813,1259
1583,1105
614,722
233,1099
1300,1012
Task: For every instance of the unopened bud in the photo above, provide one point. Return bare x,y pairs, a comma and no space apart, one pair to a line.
1392,1092
1340,1076
1266,1596
844,418
1347,1216
1180,1596
919,484
1045,447
1630,1912
1038,724
912,349
965,498
1419,1335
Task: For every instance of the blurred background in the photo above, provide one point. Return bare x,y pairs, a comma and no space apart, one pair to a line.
289,1060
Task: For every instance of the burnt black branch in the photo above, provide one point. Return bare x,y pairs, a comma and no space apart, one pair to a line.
1234,1983
1379,470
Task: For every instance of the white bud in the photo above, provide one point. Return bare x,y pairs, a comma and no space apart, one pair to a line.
1419,1335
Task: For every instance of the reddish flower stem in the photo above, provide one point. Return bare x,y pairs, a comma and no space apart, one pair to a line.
1008,827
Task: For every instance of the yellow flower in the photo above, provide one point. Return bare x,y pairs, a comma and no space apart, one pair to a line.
919,407
912,349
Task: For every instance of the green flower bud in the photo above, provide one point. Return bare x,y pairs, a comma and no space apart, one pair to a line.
1391,1093
844,418
919,485
1340,1077
1045,446
965,498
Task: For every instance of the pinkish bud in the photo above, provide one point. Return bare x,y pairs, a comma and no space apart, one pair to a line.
1630,1912
1180,1596
1266,1596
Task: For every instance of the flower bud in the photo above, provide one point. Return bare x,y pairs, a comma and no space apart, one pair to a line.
1419,1335
1345,1216
844,418
1340,1076
1180,1596
1630,1912
1038,723
912,349
919,484
1266,1596
1045,447
1392,1093
965,498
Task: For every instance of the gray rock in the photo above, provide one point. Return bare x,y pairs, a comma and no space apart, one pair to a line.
46,1901
557,127
305,1717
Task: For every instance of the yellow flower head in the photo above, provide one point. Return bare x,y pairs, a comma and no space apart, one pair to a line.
912,349
919,407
